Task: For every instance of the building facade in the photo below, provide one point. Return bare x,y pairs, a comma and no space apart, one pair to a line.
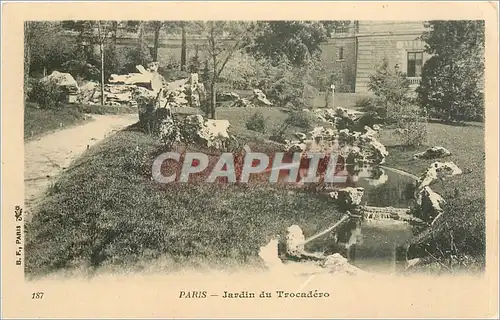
356,49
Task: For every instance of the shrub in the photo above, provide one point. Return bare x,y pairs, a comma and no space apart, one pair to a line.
300,119
387,85
257,123
46,94
411,124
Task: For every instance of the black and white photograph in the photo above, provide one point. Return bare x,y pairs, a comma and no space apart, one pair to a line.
311,150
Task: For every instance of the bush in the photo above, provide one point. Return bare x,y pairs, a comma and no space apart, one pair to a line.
46,94
411,124
257,123
300,119
389,86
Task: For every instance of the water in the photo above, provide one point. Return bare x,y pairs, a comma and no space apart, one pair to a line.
375,249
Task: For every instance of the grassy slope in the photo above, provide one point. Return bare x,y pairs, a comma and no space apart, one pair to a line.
105,210
38,121
463,222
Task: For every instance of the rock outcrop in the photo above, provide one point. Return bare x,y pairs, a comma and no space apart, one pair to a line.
429,203
336,263
433,153
294,241
258,99
66,82
438,170
348,196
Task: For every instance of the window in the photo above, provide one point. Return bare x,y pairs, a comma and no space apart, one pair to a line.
415,64
341,53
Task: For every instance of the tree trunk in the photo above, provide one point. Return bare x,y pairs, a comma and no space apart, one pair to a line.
156,43
101,47
115,30
27,56
213,99
183,48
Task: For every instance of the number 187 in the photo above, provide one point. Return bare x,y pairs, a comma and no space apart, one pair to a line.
37,295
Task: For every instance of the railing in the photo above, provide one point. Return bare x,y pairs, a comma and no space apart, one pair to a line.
414,80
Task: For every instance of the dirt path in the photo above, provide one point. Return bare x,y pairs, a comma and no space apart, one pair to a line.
48,156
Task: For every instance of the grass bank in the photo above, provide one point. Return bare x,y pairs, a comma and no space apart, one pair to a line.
105,211
460,233
38,122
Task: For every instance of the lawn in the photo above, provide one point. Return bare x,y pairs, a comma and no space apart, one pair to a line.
105,211
41,121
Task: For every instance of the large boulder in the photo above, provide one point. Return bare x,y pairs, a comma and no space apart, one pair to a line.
348,196
336,263
260,99
433,153
89,93
438,170
227,96
429,203
147,78
269,254
243,103
294,241
64,80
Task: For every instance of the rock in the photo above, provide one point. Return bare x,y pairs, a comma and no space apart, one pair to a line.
89,91
336,263
294,241
377,151
412,263
269,253
212,132
64,81
243,103
430,203
370,132
227,96
148,79
433,153
348,196
438,170
301,136
260,99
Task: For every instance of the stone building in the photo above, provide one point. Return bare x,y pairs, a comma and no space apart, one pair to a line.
356,49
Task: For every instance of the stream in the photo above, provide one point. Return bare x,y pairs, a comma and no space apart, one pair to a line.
375,250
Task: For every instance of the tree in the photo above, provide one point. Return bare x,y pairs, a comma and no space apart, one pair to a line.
104,30
295,40
216,34
453,78
183,25
46,48
94,33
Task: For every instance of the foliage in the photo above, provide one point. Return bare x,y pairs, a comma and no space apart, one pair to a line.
453,79
389,86
194,63
297,41
411,123
215,33
46,48
257,123
46,94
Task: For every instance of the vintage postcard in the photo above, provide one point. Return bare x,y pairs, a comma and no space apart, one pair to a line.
250,160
